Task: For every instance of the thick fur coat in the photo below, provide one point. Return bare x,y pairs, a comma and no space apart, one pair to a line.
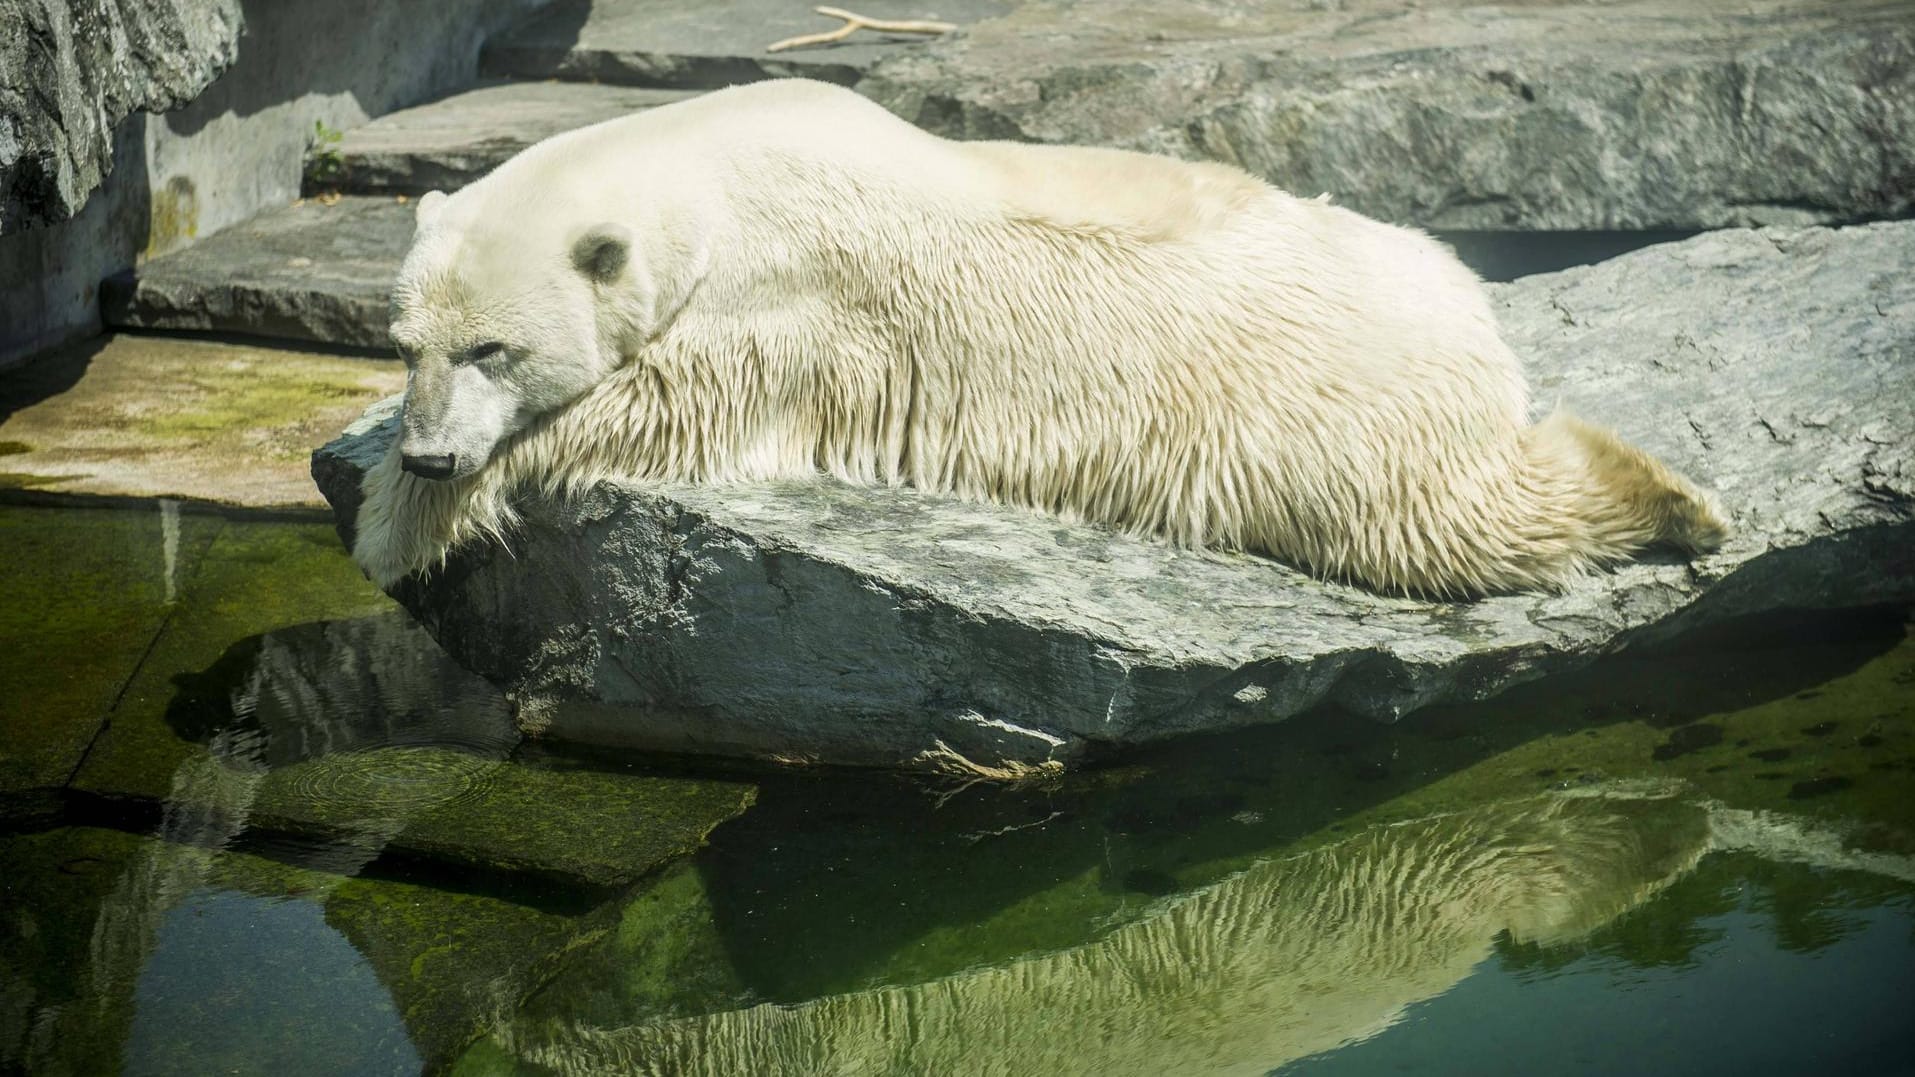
781,279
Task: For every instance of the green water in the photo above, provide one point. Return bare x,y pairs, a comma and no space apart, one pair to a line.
252,820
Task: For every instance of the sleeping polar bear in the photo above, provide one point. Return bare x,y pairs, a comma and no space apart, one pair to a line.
782,278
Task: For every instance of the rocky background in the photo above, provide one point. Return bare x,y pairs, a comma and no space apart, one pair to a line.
69,73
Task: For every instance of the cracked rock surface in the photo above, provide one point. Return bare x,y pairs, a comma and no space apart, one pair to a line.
824,622
69,73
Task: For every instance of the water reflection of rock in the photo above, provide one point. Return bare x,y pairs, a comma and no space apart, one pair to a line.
338,686
345,699
1291,957
331,690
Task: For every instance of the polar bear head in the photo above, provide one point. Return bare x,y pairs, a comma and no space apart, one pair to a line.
505,310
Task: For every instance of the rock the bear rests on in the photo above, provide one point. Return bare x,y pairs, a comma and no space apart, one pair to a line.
783,278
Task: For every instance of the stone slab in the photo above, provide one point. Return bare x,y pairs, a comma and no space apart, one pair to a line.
876,626
1457,115
317,270
706,46
451,142
144,416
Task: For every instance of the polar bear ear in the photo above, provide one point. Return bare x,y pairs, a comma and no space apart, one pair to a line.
430,203
602,251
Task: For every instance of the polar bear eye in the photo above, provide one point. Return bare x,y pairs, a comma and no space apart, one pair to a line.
484,351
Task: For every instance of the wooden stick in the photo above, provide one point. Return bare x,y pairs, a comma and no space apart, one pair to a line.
853,23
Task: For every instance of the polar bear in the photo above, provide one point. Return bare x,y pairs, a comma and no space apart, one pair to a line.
782,279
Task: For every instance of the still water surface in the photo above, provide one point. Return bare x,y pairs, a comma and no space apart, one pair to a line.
254,821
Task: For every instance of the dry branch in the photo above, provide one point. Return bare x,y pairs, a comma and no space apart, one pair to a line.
853,23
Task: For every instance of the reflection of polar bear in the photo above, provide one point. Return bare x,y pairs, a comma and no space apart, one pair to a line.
1291,957
783,278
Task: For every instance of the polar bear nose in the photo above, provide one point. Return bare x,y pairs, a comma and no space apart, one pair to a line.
428,467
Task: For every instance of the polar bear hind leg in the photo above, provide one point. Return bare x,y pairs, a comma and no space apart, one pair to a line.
1619,499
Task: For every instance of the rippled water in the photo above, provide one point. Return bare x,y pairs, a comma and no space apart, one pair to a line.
254,821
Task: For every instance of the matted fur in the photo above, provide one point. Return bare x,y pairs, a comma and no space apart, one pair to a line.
811,284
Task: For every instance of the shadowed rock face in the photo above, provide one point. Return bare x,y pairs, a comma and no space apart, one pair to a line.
69,73
1288,958
884,627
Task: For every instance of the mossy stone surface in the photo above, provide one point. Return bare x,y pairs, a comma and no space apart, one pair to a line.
86,592
663,957
255,576
146,416
583,826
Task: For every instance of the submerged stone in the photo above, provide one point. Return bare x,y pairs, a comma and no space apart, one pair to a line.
360,740
87,590
119,949
1688,738
254,576
823,622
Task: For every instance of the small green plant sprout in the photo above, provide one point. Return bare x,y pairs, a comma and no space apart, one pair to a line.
326,166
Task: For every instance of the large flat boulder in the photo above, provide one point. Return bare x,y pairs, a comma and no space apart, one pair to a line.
824,622
1457,115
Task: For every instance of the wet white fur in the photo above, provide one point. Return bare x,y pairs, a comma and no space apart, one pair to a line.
811,284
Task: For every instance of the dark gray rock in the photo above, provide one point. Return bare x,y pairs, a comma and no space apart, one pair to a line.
709,45
69,73
453,141
820,621
311,271
1549,115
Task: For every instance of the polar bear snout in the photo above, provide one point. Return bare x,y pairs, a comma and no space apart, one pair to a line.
436,467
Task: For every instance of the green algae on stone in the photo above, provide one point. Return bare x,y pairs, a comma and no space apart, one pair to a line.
593,827
86,592
453,961
664,958
255,577
169,417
